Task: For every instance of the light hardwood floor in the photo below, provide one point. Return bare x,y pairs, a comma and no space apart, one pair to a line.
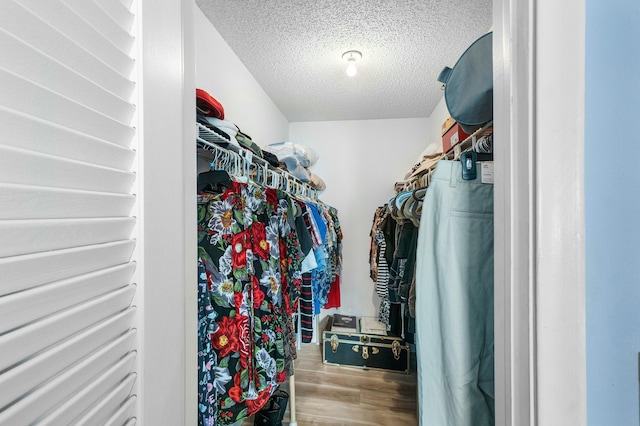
328,395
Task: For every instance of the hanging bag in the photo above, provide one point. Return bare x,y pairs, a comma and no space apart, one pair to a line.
274,410
468,90
269,415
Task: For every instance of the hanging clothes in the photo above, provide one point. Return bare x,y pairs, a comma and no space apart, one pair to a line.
335,250
333,297
326,277
321,275
454,301
374,248
402,267
257,251
207,362
378,266
382,268
251,255
254,245
306,309
304,224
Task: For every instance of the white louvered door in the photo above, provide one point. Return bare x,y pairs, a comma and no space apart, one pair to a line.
67,202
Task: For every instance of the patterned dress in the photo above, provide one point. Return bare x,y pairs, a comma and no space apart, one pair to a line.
206,356
252,270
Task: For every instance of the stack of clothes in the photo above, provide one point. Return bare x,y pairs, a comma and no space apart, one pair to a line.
298,159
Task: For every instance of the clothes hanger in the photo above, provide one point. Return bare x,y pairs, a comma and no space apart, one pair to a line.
259,177
270,178
419,193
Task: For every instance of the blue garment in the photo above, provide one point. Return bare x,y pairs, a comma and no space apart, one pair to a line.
454,301
321,276
320,280
321,222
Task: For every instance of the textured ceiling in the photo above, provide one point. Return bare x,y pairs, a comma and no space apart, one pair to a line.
294,50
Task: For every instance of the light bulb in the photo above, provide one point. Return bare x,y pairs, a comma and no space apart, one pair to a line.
351,68
352,56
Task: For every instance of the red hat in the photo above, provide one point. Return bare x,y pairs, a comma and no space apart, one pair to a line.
208,105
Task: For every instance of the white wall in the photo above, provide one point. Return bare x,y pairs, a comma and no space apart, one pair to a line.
437,117
360,161
221,73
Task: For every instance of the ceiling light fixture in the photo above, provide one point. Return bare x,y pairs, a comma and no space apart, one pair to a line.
351,56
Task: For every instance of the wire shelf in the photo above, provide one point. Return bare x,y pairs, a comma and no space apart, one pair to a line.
478,141
245,166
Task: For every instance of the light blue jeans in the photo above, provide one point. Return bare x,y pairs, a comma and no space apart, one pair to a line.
454,301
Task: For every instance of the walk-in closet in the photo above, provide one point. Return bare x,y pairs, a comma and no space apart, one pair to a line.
363,147
236,213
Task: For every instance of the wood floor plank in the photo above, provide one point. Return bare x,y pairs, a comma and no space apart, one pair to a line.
328,395
328,392
403,403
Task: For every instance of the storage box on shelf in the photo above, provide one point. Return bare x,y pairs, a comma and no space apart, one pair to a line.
446,125
452,135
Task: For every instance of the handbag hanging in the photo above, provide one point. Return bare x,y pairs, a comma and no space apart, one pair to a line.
468,86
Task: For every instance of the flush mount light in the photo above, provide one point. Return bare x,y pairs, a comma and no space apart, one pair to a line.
351,57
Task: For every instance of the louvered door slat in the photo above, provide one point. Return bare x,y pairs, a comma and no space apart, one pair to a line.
18,237
28,340
22,24
92,394
108,404
17,345
126,411
31,168
72,26
44,399
20,380
27,62
37,202
103,23
21,308
60,264
118,12
36,135
29,98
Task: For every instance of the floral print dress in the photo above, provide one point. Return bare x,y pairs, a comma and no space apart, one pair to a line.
206,356
251,258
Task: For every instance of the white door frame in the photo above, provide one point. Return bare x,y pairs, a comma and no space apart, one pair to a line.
539,302
539,212
514,213
167,268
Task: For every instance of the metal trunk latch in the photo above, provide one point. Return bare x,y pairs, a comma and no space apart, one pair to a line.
365,350
396,349
334,343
